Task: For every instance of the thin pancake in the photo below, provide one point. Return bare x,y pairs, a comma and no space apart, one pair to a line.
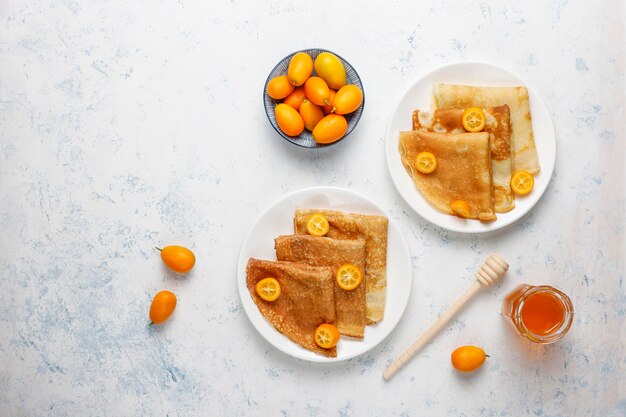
307,299
333,253
463,170
498,126
522,139
373,229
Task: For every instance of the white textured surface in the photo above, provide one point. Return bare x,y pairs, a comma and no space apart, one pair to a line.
125,125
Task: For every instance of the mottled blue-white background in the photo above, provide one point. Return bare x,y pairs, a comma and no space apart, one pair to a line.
130,124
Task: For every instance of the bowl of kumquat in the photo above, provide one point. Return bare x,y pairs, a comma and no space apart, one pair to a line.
313,98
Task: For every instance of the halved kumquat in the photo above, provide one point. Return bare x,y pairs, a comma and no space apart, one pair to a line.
473,119
349,277
461,209
268,289
317,225
522,182
425,162
326,336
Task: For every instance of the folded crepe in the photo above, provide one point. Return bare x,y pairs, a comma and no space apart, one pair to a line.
372,229
463,170
333,253
307,299
522,139
498,126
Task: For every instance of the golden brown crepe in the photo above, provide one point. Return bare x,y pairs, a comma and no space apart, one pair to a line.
333,253
522,139
373,229
307,299
463,170
498,126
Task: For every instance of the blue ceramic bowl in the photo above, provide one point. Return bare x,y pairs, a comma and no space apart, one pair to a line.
305,139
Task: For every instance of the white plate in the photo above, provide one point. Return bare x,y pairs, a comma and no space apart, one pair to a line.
278,220
419,96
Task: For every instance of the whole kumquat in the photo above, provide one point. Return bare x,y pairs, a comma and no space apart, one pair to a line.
295,99
162,306
330,129
279,87
289,120
328,108
300,68
348,99
311,114
178,258
317,91
330,69
468,358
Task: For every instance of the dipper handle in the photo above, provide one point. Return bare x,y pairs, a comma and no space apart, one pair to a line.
489,273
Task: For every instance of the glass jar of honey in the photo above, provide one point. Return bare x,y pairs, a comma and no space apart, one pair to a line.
542,314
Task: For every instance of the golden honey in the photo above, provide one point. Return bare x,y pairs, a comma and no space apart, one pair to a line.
542,314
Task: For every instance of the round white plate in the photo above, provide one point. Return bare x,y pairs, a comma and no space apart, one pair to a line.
419,96
278,220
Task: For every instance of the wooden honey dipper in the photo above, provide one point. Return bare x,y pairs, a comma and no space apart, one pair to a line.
491,272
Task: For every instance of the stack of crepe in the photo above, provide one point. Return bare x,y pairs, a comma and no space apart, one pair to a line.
307,299
306,270
472,167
